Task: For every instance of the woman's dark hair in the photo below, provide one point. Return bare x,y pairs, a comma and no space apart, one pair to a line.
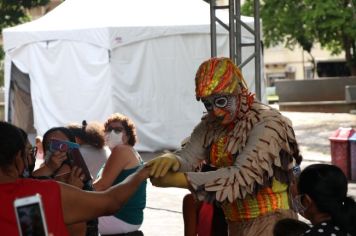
327,186
290,227
63,130
12,140
128,124
91,133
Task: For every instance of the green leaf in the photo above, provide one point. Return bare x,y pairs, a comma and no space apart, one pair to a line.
306,22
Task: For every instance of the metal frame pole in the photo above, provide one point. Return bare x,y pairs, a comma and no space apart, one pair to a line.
235,40
232,30
237,18
257,49
213,29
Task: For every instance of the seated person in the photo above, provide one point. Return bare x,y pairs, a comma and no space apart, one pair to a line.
63,204
53,160
57,166
321,197
90,137
120,136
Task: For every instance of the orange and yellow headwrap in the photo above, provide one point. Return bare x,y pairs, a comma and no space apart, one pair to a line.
218,76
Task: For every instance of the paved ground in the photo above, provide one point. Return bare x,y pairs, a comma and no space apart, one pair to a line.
163,215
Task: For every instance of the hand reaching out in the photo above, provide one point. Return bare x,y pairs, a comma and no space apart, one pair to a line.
171,179
162,164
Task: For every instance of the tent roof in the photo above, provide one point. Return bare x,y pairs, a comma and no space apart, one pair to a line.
112,23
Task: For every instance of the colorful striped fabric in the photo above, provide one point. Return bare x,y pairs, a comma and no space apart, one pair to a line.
218,76
266,201
218,156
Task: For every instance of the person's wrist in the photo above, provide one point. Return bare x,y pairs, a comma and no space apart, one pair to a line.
50,169
144,172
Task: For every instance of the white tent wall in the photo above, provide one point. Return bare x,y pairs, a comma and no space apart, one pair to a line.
69,81
157,89
144,72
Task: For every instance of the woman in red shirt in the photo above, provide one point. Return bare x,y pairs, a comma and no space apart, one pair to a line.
63,204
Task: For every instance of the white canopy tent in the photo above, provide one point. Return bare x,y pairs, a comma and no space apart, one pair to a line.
87,59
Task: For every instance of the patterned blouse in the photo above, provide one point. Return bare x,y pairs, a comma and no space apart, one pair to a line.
325,228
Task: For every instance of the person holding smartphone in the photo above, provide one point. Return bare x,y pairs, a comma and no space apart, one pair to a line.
91,138
58,144
63,204
30,216
54,160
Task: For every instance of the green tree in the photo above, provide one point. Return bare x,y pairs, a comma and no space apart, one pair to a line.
332,23
14,12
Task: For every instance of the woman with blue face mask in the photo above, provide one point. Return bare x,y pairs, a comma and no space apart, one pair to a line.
321,197
120,136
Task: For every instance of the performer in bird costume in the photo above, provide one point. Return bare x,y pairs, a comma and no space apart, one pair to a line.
251,146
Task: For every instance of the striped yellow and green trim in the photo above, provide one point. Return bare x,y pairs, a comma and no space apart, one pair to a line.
266,201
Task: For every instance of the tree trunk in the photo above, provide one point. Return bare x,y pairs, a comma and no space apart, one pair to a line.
348,56
353,59
313,62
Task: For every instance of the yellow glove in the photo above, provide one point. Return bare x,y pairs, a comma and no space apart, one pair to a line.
171,179
161,164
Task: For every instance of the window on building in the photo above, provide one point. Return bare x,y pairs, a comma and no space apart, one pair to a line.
308,72
332,68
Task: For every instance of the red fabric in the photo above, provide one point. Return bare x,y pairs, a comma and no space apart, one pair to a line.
205,219
51,197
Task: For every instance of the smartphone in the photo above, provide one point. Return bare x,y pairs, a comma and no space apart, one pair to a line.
60,145
76,159
30,216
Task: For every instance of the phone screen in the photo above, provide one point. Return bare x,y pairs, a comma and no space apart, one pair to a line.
30,220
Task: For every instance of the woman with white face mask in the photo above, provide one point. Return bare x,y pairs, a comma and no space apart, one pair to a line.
120,136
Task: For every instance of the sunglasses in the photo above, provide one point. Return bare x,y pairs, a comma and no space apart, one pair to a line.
219,102
116,129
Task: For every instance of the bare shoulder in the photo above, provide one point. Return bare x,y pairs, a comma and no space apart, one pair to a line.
122,149
123,152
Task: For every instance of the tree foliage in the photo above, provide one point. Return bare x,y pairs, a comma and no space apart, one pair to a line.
332,23
14,12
